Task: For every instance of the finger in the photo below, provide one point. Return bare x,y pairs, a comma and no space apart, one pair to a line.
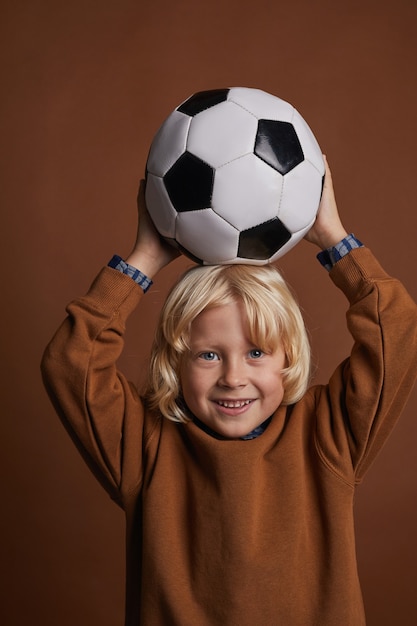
141,196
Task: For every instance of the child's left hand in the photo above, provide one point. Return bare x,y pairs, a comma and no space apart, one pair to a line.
328,229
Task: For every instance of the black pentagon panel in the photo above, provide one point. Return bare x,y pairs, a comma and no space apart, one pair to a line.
278,145
189,183
261,242
203,100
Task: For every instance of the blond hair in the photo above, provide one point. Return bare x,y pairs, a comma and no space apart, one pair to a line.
274,319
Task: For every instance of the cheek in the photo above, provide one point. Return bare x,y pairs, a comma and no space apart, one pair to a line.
273,381
274,395
195,385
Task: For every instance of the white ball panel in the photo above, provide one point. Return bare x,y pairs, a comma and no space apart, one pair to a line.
261,104
300,196
222,133
169,143
161,210
311,148
246,192
207,236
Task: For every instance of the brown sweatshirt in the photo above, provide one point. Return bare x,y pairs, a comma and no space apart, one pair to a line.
238,533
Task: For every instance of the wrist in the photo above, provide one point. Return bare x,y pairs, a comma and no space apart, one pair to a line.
144,262
329,239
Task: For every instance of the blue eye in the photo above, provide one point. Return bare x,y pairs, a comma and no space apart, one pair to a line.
209,356
256,353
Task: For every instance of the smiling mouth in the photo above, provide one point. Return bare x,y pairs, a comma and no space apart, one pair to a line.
234,404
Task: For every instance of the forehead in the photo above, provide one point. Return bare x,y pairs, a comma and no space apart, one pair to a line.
220,323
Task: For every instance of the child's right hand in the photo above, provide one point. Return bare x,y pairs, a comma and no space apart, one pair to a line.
150,252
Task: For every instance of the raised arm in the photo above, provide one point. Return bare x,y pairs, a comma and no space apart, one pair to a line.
100,409
368,391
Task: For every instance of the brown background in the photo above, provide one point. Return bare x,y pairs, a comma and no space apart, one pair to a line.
84,86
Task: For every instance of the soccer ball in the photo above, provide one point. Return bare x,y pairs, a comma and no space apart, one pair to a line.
234,176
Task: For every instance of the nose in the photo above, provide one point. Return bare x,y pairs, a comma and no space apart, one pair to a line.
233,374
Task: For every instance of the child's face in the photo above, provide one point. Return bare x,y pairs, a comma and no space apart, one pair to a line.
227,382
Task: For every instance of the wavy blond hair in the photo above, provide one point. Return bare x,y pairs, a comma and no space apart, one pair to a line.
274,319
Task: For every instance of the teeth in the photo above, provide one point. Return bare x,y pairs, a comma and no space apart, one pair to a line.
236,404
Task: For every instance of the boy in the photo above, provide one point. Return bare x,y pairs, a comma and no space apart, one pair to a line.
237,482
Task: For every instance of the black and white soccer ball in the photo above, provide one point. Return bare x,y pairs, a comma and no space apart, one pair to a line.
234,176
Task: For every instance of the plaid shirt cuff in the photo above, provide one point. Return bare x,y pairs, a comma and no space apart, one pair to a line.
328,258
141,279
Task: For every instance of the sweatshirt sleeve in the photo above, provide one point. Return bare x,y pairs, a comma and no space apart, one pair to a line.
367,393
100,409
